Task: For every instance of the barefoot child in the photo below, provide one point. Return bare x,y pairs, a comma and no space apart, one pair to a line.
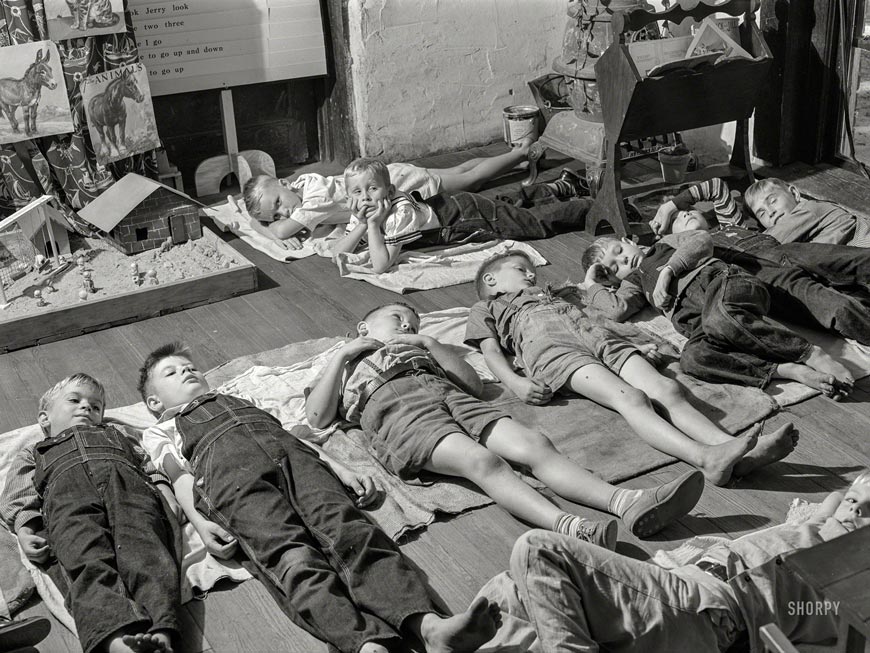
282,208
560,349
83,494
240,477
722,311
389,220
416,402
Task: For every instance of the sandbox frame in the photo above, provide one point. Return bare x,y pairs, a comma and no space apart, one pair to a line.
133,306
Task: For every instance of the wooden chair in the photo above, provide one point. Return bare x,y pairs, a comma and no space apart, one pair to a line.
635,106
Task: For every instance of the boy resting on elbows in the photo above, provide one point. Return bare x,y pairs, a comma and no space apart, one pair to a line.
560,349
84,494
281,208
389,220
417,403
241,478
790,218
610,602
816,284
722,310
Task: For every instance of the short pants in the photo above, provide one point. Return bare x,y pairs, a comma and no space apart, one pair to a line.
408,178
554,340
408,416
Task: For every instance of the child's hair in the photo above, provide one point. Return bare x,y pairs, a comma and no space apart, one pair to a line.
364,164
81,378
165,351
369,314
595,252
863,478
252,193
762,186
494,263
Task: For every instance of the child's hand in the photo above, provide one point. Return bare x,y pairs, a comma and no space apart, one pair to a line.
413,339
661,223
531,391
362,485
355,347
356,210
35,547
379,212
217,541
651,352
599,273
292,243
662,298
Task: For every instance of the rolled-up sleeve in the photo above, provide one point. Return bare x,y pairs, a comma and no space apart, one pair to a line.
160,441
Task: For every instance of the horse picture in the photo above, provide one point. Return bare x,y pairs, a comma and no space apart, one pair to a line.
37,92
120,115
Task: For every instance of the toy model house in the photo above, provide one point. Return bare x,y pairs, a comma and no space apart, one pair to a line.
138,214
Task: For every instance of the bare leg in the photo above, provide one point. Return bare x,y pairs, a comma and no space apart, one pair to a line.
484,170
599,384
520,444
820,361
771,447
462,632
819,371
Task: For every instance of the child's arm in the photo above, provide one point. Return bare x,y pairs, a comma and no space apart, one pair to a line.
530,391
362,485
691,249
617,302
260,229
321,404
458,371
21,506
713,190
352,237
382,254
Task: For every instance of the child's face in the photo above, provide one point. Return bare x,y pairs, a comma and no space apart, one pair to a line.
511,275
277,201
76,404
855,506
388,322
622,257
174,381
367,189
773,204
689,221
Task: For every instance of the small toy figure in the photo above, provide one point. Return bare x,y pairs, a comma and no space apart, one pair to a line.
49,287
37,295
151,275
83,294
166,245
40,262
80,262
88,282
134,271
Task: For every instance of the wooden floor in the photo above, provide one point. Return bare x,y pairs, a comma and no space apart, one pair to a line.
306,299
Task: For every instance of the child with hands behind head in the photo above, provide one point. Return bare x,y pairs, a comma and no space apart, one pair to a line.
416,402
241,478
559,349
88,494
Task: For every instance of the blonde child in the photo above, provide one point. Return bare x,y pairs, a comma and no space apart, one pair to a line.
417,404
389,220
83,494
281,208
560,349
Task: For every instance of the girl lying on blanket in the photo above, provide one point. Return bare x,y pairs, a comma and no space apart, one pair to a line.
281,208
416,402
389,220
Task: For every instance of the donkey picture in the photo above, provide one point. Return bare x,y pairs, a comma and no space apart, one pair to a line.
108,115
26,91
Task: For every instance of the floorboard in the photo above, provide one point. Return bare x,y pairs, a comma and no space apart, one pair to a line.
306,299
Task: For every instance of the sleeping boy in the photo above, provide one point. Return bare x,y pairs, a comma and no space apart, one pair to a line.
241,478
417,404
88,494
561,350
389,220
281,208
722,310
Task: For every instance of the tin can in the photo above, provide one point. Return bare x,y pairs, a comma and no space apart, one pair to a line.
520,121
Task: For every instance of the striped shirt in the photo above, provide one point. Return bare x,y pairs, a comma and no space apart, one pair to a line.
406,222
716,191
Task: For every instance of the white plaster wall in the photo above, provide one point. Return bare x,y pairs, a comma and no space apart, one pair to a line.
434,75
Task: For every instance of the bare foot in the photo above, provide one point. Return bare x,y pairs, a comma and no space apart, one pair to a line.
719,460
462,632
373,647
827,383
771,447
522,146
157,642
820,361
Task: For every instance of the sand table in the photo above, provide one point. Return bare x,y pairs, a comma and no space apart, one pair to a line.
111,273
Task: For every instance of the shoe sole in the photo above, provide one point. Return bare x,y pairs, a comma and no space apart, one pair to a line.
26,632
682,498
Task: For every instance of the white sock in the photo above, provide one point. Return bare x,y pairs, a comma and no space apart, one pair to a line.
621,500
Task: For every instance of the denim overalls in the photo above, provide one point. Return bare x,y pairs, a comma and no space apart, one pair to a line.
108,527
337,575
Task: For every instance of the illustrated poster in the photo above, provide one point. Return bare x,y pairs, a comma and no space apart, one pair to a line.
119,113
72,19
33,99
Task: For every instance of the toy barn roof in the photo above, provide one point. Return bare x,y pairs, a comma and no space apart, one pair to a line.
123,196
30,221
